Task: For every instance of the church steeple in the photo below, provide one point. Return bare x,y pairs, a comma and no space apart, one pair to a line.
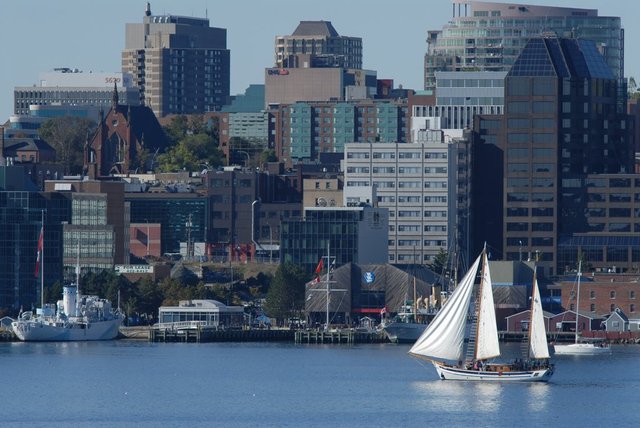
114,99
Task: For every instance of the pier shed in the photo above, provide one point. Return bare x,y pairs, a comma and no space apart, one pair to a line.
204,313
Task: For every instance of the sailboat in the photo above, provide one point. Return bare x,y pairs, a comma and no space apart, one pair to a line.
578,348
442,343
76,317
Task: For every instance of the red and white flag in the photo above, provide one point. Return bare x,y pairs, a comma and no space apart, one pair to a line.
39,253
383,311
320,266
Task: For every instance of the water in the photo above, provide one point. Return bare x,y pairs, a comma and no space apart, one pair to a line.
127,383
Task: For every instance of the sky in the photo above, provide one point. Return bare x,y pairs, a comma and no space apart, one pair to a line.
39,35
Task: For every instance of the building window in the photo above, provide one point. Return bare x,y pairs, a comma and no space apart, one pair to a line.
592,307
612,308
612,294
632,294
592,294
632,307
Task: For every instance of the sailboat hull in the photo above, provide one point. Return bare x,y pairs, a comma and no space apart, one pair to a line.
454,373
581,349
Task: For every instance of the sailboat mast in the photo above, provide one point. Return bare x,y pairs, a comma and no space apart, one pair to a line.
42,263
479,300
531,313
327,285
578,299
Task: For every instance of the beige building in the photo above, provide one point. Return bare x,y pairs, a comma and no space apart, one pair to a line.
322,192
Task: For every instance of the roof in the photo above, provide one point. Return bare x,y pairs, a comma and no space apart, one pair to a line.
619,313
562,58
145,126
545,314
581,313
27,144
315,28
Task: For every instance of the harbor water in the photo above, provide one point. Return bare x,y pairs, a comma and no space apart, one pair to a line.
134,383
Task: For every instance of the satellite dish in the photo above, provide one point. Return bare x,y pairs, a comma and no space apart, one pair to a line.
321,202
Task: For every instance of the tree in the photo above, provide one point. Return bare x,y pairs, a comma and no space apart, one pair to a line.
439,264
67,135
191,153
286,293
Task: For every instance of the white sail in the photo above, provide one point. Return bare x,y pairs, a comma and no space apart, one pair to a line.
538,347
444,337
487,345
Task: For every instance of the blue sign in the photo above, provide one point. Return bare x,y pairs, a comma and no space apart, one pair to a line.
369,277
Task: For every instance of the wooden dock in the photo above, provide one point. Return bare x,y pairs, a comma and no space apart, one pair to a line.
347,336
213,335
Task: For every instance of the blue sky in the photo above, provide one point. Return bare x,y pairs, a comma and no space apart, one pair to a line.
39,35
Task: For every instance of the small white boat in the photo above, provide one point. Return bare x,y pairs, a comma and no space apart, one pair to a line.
442,343
578,348
582,349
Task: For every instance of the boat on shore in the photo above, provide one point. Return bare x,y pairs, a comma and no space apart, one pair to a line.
577,347
442,343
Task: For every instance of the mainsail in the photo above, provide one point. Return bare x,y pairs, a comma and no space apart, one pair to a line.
444,337
487,345
538,347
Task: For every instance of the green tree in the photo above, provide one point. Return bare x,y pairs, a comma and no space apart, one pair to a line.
191,153
439,264
67,135
150,296
286,293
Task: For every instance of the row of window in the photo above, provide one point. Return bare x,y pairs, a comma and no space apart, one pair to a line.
399,184
401,155
612,307
412,199
416,243
392,170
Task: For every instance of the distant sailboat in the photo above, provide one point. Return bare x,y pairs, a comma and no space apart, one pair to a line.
442,343
578,348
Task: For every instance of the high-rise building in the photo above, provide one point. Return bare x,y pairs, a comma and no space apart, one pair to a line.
553,175
487,36
318,44
315,63
417,184
180,64
304,130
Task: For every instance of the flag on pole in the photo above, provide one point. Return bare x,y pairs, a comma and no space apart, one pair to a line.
383,311
39,253
320,266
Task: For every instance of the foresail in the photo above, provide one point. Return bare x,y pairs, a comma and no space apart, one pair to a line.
487,345
538,347
444,337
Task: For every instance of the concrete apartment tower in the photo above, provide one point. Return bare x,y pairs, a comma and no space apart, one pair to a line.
180,63
488,36
320,43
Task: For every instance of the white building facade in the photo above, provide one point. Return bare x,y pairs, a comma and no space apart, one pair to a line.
416,183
